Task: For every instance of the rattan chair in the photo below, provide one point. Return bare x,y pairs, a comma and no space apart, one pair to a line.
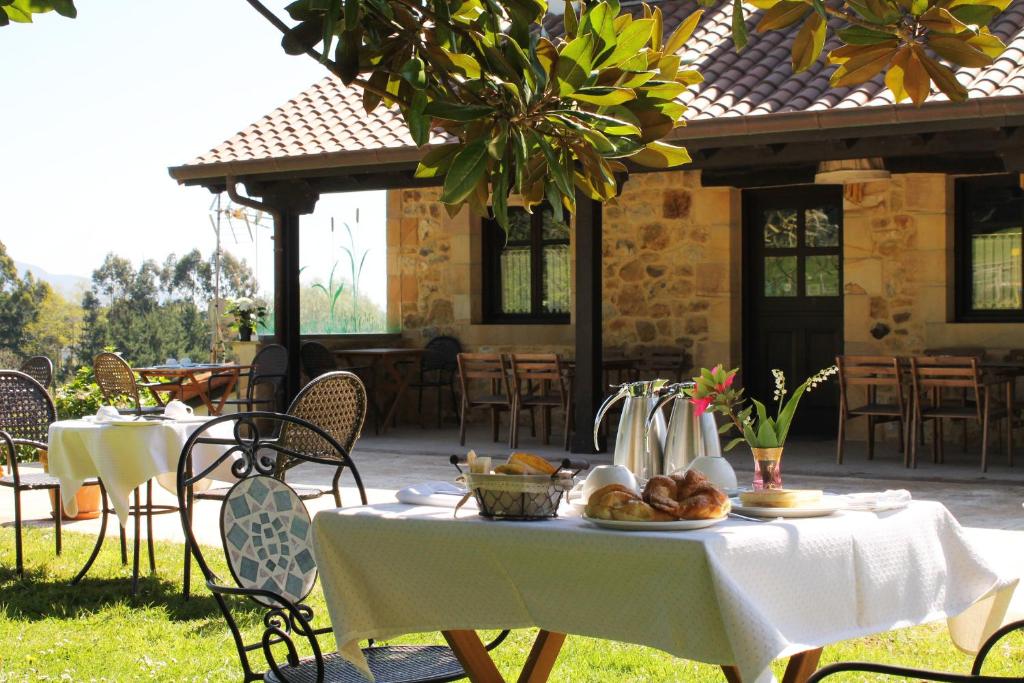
490,370
539,382
26,412
872,373
120,388
277,578
887,670
39,368
931,376
264,381
437,370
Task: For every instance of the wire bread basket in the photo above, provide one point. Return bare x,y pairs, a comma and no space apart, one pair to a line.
520,496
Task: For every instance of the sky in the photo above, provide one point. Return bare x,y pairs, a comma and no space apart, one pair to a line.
96,109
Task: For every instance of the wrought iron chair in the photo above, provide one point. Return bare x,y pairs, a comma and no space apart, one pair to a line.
279,576
438,366
118,384
922,674
872,373
39,368
490,369
539,382
264,380
26,412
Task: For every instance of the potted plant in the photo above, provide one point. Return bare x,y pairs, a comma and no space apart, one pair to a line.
764,434
78,398
247,314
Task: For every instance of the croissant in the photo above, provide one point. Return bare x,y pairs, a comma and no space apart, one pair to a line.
686,496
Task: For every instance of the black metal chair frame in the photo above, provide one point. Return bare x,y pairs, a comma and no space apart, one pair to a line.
257,377
284,621
939,676
436,361
14,430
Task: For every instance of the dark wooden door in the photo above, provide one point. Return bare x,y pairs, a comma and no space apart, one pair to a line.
793,304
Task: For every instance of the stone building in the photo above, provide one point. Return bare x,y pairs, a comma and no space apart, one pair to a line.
813,221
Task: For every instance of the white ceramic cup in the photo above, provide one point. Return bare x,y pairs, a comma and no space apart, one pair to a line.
186,362
107,413
176,409
604,475
171,362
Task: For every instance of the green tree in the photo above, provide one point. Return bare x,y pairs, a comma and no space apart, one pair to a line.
56,332
20,301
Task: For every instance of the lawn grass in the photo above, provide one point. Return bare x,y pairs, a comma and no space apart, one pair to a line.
97,631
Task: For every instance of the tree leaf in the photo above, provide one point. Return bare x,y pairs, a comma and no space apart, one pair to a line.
415,73
988,43
417,121
574,63
916,81
629,42
682,33
784,14
939,19
944,79
603,95
958,51
739,26
864,67
451,111
467,64
436,161
569,20
604,123
894,76
661,155
657,29
467,168
809,41
858,35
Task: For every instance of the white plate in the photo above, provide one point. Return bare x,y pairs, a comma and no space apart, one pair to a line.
828,505
190,419
677,525
133,423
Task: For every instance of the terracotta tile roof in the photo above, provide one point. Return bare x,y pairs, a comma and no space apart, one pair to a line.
754,86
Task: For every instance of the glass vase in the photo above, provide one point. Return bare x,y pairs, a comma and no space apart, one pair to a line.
767,468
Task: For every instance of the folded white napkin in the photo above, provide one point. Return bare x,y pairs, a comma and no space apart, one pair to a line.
878,501
434,493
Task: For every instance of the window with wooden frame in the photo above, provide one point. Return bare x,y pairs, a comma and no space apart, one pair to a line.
526,270
989,241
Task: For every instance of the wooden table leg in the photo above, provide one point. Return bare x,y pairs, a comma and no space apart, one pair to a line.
401,384
542,657
800,667
231,384
473,656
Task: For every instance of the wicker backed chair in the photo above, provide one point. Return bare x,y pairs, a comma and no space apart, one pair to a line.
119,385
888,670
39,368
26,412
278,577
438,366
264,381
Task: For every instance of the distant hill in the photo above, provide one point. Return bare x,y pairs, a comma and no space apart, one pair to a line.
69,286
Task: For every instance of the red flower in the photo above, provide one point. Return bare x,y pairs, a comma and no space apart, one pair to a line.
701,404
722,386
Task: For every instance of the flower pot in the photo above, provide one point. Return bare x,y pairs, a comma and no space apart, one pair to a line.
767,468
88,498
245,333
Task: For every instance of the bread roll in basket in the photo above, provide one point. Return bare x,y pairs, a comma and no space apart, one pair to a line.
520,496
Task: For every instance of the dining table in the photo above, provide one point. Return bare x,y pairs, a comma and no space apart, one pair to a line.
389,364
124,454
194,380
739,594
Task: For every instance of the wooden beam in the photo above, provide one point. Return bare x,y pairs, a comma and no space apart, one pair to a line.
588,389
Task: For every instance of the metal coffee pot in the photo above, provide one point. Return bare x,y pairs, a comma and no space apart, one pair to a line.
688,436
638,444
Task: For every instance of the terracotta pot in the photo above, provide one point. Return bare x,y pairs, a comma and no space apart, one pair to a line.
88,498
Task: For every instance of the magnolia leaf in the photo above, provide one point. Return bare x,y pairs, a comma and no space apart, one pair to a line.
661,155
417,121
598,21
546,54
574,63
858,35
739,26
630,41
603,95
415,73
451,111
569,20
662,90
894,76
657,29
782,15
436,161
988,43
916,80
682,33
939,19
467,64
944,79
607,124
808,43
689,77
958,51
467,168
863,66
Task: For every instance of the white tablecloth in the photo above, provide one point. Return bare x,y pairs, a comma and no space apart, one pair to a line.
125,457
737,593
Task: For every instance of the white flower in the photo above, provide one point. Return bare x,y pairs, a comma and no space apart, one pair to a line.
244,304
780,384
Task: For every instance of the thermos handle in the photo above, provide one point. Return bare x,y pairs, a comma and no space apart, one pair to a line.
608,402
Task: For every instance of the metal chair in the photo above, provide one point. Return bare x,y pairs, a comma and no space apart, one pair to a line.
26,412
269,369
278,577
39,368
491,370
931,375
117,382
922,674
872,373
440,359
539,382
317,359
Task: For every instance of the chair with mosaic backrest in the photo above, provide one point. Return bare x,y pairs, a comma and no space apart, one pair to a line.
266,538
26,413
904,673
39,368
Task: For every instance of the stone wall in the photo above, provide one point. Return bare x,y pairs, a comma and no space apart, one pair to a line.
668,280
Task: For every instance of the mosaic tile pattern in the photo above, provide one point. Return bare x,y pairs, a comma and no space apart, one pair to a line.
266,531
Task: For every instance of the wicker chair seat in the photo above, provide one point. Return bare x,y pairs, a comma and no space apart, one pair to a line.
32,481
389,664
221,492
